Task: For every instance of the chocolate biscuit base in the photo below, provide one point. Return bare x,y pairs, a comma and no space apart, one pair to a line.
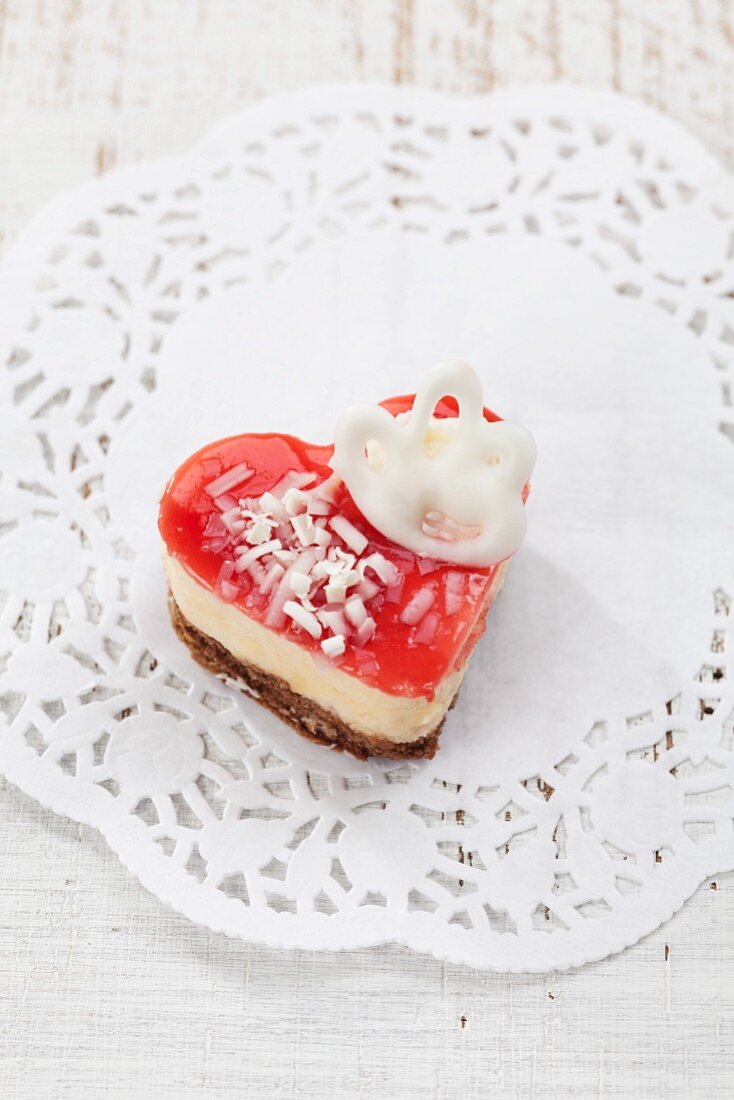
305,716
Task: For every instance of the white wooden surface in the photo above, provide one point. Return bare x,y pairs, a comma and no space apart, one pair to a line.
103,993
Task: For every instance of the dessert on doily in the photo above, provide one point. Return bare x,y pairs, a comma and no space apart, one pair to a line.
345,587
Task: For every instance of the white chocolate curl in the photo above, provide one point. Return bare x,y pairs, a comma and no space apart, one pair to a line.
448,488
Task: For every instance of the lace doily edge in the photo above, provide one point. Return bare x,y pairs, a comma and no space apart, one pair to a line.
377,926
592,103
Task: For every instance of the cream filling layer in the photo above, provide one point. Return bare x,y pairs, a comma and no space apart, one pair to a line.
366,709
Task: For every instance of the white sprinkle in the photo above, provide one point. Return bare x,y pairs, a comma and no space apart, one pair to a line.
426,565
258,513
453,592
304,529
368,589
327,568
273,575
305,561
226,572
336,591
365,632
228,591
394,593
236,476
274,615
347,560
225,503
346,531
234,526
355,610
426,631
287,556
328,489
257,572
259,532
232,521
417,607
300,583
318,507
334,620
256,552
322,537
271,504
303,618
349,578
292,480
295,501
385,570
334,646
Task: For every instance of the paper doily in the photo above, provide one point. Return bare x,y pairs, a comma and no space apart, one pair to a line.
321,248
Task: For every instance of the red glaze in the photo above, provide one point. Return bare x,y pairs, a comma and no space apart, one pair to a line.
392,661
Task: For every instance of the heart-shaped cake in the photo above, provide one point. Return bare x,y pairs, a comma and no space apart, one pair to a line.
345,589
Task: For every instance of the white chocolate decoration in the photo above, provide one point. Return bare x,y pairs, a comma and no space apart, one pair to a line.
448,488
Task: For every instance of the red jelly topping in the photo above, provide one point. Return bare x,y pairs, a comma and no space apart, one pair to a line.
401,658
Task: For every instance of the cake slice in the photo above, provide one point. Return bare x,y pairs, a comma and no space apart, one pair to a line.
279,582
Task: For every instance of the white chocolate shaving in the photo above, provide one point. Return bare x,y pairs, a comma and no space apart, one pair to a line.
450,488
304,528
417,607
355,610
335,591
224,503
275,615
303,618
259,532
295,501
334,646
234,526
334,620
367,588
272,577
228,591
270,503
348,533
384,569
454,592
338,555
321,536
329,489
286,556
426,630
234,477
256,552
232,515
292,480
365,632
300,583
